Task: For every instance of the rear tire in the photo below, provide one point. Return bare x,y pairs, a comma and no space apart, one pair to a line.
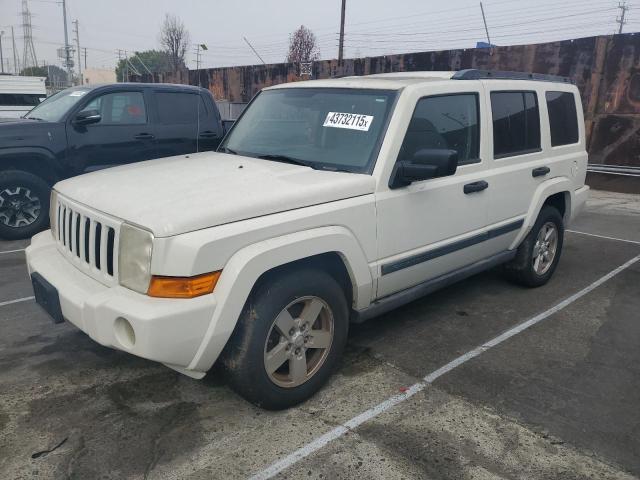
289,338
538,255
24,204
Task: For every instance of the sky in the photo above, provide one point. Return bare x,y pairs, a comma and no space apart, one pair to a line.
373,27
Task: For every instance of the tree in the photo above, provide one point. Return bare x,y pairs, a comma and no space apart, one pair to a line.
156,61
302,46
56,77
174,38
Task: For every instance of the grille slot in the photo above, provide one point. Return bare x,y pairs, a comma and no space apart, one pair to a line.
88,239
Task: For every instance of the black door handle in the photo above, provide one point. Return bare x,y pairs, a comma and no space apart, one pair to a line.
540,171
208,134
143,136
475,187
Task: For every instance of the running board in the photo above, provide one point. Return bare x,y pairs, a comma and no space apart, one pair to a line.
395,300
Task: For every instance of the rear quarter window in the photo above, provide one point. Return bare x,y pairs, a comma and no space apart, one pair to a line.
563,118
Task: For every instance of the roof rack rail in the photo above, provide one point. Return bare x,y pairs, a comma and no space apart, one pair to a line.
473,74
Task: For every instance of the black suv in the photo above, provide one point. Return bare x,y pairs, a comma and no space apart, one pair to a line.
92,127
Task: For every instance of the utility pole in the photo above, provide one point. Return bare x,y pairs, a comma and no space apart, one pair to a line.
1,58
67,48
341,43
254,50
484,19
623,10
75,22
126,66
85,57
29,58
16,67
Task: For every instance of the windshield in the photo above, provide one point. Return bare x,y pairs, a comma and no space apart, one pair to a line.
324,128
54,107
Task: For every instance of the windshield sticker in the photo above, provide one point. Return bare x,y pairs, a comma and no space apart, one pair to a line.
78,93
352,121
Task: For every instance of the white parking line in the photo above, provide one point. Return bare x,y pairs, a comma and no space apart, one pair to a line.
17,300
340,430
12,251
604,236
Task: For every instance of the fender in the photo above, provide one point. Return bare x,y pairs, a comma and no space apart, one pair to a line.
245,267
29,151
544,191
39,159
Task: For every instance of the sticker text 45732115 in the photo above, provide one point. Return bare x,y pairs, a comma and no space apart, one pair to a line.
352,121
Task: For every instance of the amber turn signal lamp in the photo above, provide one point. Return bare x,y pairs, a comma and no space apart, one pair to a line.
183,287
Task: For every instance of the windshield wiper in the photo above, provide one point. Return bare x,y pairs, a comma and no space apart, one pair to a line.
34,118
228,150
285,159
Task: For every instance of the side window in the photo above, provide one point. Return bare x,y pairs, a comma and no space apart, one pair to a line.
448,122
516,123
563,118
120,108
175,108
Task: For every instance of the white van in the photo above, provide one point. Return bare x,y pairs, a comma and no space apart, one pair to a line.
18,94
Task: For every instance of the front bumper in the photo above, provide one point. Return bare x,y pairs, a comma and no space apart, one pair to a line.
169,331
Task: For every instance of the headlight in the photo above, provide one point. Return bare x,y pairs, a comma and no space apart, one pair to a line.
53,218
134,258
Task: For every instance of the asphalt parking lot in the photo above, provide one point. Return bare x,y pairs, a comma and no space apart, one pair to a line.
558,399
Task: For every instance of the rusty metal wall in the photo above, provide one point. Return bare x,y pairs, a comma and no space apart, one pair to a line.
606,69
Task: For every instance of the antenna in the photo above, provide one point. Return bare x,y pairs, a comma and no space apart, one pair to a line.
254,50
486,29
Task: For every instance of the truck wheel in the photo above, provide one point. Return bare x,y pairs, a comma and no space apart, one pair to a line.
289,338
539,253
24,204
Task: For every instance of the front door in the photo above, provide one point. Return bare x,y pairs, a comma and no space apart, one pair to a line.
124,133
435,226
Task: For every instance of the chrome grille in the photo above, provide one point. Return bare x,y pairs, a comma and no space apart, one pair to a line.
89,239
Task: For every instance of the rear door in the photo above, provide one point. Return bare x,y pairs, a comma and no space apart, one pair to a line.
124,133
520,160
185,123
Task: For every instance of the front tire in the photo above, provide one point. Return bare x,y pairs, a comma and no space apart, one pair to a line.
24,204
538,255
289,338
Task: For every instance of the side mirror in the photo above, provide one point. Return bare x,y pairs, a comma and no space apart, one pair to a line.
87,117
424,164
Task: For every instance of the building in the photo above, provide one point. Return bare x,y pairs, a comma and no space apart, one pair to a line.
92,76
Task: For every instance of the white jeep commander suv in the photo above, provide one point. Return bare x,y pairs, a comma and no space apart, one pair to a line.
329,201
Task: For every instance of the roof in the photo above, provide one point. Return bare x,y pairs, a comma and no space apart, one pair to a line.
398,80
379,81
126,85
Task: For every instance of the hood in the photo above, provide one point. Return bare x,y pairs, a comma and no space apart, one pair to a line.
14,120
22,132
180,194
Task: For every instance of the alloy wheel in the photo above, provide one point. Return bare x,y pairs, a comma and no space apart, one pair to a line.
299,341
19,207
545,248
